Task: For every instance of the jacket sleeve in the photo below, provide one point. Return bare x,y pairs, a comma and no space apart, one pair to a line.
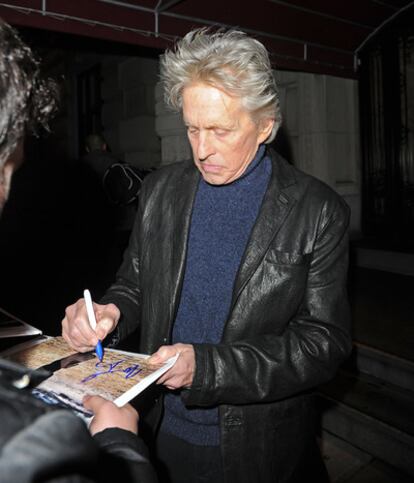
124,456
273,366
125,291
58,446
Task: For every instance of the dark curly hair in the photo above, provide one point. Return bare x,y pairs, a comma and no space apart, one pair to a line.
27,101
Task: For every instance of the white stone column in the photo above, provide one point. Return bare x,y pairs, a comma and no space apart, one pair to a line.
128,111
322,123
170,128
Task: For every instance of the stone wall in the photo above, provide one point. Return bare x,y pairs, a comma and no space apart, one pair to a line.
321,122
170,128
128,112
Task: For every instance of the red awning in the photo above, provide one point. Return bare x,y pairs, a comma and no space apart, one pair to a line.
306,35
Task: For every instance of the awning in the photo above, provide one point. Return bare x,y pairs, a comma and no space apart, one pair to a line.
307,35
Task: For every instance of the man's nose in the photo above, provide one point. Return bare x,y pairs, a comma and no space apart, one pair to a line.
205,146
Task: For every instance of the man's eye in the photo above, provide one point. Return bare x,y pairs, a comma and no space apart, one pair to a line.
221,132
192,131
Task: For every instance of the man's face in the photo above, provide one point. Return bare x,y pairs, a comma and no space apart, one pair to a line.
222,134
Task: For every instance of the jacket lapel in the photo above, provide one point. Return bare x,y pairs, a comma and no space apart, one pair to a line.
277,204
185,192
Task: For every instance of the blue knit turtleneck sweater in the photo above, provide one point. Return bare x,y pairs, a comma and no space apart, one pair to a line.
222,220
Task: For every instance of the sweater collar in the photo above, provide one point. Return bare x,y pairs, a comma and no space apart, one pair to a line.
260,154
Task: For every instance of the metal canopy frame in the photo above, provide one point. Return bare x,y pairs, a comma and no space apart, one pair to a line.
323,38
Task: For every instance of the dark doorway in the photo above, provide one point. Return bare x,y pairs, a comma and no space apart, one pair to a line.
89,103
387,121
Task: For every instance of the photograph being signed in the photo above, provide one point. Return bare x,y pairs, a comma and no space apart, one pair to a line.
119,377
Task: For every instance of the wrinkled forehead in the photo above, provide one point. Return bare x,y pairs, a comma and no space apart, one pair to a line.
211,106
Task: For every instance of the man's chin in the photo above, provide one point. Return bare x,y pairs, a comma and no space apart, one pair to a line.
212,180
216,180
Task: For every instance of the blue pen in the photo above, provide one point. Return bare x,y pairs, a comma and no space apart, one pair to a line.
92,321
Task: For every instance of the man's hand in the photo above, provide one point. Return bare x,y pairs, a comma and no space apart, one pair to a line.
77,331
182,372
108,415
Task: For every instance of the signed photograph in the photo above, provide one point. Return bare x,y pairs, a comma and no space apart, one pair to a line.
119,377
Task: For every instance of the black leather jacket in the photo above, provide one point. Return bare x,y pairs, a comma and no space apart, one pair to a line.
288,328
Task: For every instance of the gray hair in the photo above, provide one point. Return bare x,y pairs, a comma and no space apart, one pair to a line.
228,60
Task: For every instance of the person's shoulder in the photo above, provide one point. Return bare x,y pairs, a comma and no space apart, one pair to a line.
169,175
168,171
308,188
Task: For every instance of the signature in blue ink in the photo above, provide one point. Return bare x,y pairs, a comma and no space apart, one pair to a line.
113,368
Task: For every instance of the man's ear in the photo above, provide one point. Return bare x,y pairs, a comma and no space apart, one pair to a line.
266,126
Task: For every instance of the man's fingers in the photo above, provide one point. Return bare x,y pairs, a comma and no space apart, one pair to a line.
74,338
171,382
107,318
108,415
163,378
182,373
104,327
76,328
93,403
163,354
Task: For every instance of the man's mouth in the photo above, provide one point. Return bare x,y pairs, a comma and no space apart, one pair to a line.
211,168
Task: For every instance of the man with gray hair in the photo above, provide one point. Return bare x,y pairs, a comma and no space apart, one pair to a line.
237,262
